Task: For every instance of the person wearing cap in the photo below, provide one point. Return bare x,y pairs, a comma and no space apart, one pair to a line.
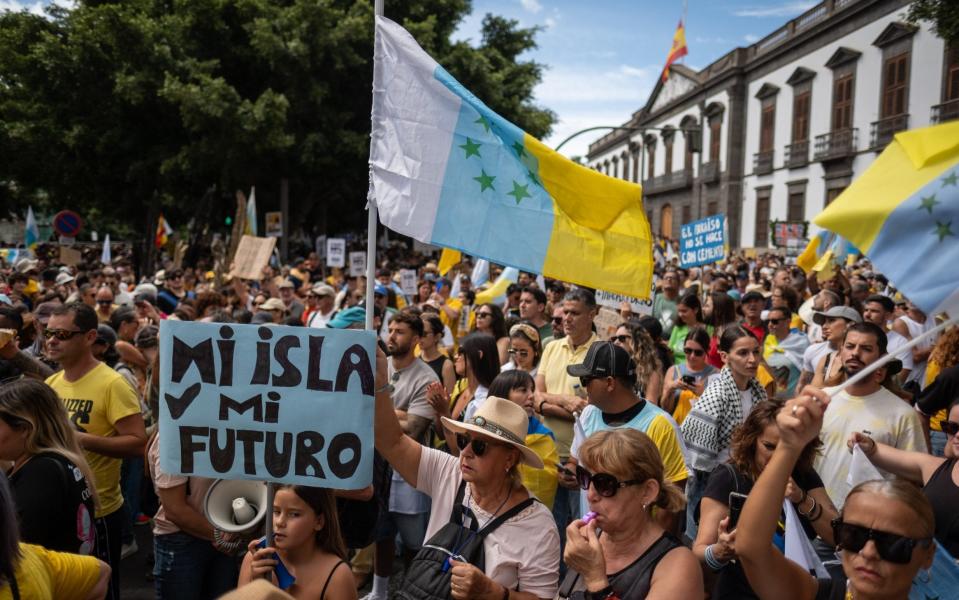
66,284
170,290
521,556
834,323
294,307
865,407
273,307
320,306
608,374
752,305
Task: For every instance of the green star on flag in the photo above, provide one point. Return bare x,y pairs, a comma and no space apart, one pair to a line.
520,150
484,122
533,178
943,230
471,147
519,192
951,179
485,181
929,203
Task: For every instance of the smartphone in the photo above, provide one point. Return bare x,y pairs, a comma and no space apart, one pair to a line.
736,502
689,380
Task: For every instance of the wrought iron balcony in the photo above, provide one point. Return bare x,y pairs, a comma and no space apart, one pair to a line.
797,154
710,172
840,143
884,129
676,180
763,162
946,111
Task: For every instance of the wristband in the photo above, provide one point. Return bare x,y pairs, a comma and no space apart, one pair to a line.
540,408
606,593
386,388
712,562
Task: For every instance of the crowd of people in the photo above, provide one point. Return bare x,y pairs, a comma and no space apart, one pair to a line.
522,452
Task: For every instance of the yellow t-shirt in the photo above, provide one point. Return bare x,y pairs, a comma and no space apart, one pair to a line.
47,575
94,403
452,324
552,367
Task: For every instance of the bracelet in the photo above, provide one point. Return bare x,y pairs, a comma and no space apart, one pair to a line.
712,562
540,408
811,510
386,388
607,593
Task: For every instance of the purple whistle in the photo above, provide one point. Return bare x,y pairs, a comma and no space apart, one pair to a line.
589,517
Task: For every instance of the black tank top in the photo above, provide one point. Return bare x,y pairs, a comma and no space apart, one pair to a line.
634,581
943,494
437,365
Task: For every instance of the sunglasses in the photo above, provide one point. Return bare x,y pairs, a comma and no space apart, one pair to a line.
61,334
890,546
605,484
519,353
622,339
105,302
949,427
774,321
479,446
693,352
483,314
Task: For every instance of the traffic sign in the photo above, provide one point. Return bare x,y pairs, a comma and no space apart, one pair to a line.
67,223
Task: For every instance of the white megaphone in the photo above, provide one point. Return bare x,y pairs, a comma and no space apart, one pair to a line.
235,506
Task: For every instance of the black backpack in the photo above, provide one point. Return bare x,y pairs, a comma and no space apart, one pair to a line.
428,577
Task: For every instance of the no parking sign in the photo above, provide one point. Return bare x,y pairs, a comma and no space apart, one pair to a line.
67,224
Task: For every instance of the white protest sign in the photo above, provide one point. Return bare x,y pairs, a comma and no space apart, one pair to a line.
357,264
335,252
320,246
274,224
267,403
638,306
408,281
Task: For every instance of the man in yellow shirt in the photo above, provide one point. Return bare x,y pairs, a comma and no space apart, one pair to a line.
105,410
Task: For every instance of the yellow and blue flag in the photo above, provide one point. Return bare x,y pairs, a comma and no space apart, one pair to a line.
31,234
447,170
903,213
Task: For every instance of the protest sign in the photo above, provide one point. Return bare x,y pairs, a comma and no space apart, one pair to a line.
357,264
703,242
606,322
639,307
252,254
268,403
274,224
408,281
71,257
320,246
335,252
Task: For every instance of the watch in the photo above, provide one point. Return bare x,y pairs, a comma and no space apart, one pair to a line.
607,593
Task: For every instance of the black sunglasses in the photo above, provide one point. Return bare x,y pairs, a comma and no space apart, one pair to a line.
693,352
558,320
484,314
949,427
622,339
890,546
774,321
479,446
61,334
605,484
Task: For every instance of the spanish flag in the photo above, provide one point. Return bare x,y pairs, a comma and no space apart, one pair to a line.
903,213
678,50
163,232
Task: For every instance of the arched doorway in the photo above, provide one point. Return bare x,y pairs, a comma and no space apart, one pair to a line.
666,221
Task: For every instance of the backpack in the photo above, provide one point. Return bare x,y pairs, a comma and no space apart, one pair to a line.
429,575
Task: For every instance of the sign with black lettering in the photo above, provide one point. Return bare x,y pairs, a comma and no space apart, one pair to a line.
282,404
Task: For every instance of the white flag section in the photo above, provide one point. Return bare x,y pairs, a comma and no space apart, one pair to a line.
105,256
861,469
798,548
480,272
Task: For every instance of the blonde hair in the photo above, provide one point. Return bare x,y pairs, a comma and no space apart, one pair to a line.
946,351
902,491
630,454
30,404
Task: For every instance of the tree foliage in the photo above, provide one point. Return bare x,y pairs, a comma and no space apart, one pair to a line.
944,15
115,107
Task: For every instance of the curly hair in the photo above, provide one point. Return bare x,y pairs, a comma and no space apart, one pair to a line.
644,352
742,446
946,351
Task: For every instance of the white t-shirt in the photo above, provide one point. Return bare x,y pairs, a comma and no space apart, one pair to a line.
814,354
522,553
888,419
896,341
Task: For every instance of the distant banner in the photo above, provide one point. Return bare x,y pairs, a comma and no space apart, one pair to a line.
282,404
639,307
703,242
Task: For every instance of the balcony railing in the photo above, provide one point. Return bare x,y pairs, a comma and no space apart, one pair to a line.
884,129
763,162
797,154
676,180
837,144
711,172
946,111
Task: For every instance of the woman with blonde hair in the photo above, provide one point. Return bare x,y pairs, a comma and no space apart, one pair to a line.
52,483
944,356
633,556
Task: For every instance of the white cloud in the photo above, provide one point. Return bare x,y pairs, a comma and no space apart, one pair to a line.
588,84
35,8
573,121
785,9
751,38
549,23
531,6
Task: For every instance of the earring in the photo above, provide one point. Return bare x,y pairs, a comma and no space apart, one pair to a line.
645,505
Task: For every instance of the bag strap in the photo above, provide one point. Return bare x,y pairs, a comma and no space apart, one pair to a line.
456,515
732,471
505,517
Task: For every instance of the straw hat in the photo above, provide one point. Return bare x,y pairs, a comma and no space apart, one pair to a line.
503,420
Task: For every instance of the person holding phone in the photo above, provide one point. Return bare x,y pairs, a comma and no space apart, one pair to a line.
728,487
686,381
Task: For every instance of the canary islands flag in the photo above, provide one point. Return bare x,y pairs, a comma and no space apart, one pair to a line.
447,170
903,213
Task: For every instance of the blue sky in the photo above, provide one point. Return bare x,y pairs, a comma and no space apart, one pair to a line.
603,56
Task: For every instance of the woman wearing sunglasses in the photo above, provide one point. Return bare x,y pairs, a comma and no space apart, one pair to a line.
884,532
524,348
936,475
622,552
490,320
686,381
521,555
753,443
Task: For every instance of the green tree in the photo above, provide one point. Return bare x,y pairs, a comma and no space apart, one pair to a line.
944,15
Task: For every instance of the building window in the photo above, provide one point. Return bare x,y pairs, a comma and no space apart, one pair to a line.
767,126
762,218
715,139
951,91
712,208
625,161
842,96
666,221
636,165
832,194
895,85
651,154
796,210
668,157
801,105
687,213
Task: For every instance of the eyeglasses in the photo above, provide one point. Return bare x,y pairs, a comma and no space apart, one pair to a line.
105,302
605,484
61,334
483,314
949,427
890,546
479,446
519,353
622,339
558,320
693,352
774,321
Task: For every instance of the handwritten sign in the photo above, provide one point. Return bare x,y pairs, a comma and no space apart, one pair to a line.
357,264
268,403
408,281
252,254
335,252
637,305
70,256
703,242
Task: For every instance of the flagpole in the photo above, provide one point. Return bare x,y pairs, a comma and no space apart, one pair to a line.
371,220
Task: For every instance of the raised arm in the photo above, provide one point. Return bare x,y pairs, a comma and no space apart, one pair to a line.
917,467
397,448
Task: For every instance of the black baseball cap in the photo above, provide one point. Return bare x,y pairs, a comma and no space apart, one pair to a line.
605,359
750,296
